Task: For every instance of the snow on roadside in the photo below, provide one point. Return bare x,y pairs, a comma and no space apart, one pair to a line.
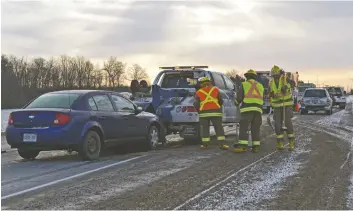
262,182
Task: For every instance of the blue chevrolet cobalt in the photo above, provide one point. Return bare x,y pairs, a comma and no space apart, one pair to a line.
82,121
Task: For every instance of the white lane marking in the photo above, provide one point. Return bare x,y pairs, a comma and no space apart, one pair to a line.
345,162
220,182
69,178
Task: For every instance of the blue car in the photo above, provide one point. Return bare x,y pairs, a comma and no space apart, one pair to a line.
82,121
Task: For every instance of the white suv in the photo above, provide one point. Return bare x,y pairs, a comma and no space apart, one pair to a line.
316,99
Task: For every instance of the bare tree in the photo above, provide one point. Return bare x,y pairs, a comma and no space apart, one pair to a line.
115,70
136,72
232,73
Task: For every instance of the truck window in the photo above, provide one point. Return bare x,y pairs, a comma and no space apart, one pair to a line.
218,80
229,83
180,80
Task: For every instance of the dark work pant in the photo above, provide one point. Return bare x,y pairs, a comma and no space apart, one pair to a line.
253,119
205,128
278,117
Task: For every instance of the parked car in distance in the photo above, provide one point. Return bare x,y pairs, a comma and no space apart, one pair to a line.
316,99
82,121
338,96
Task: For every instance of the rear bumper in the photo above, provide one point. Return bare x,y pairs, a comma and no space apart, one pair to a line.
50,138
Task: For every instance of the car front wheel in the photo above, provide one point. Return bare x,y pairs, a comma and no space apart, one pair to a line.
153,138
91,146
28,154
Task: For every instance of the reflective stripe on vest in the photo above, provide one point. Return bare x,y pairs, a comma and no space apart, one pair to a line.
253,96
280,99
208,99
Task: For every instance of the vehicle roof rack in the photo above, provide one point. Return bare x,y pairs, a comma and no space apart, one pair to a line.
182,67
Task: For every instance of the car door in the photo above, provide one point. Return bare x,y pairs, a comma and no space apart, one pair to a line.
231,92
135,126
104,113
219,82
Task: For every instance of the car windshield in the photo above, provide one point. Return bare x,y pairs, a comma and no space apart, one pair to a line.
62,100
315,93
335,91
181,79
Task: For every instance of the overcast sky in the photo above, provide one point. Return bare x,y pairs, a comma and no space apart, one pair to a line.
314,38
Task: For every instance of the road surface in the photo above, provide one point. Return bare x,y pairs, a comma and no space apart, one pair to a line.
317,175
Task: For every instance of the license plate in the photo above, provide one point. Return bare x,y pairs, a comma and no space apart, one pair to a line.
29,137
189,131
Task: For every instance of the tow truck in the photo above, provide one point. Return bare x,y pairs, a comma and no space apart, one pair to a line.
172,98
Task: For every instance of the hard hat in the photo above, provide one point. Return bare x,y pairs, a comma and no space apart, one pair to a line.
250,72
204,79
275,70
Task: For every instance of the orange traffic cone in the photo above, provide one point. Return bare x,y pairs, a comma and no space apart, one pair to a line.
297,107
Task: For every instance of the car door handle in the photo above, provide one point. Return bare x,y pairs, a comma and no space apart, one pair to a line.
102,117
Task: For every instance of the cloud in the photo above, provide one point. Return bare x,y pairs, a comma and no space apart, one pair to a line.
303,36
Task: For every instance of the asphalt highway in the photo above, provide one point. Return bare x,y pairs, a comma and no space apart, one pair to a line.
317,175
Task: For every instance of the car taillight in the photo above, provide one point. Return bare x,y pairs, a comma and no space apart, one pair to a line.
191,109
10,121
61,119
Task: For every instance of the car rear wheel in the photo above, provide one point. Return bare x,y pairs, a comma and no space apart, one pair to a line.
91,147
28,154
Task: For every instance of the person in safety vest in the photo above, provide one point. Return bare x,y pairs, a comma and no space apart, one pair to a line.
280,92
250,96
209,103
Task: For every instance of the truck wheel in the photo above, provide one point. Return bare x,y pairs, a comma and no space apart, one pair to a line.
28,154
91,147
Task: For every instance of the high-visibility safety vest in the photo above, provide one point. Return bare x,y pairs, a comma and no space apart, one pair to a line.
209,105
253,96
281,99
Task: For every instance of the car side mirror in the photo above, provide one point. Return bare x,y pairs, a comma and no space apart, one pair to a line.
139,110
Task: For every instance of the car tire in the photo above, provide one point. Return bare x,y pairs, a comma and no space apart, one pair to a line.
91,146
28,154
153,139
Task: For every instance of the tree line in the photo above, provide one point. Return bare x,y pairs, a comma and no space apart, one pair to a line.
23,79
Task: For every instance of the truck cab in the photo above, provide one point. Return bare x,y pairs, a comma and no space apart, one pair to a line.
172,98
